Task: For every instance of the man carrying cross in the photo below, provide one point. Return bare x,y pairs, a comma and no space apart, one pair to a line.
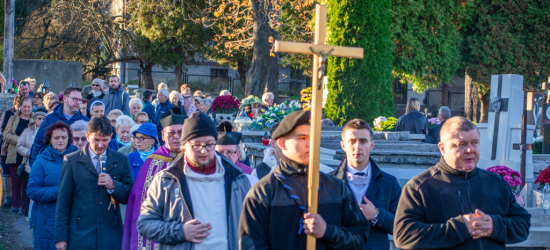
276,207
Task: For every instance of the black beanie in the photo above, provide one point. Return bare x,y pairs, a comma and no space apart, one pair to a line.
197,125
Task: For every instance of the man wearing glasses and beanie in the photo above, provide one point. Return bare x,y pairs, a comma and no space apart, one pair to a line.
68,112
196,202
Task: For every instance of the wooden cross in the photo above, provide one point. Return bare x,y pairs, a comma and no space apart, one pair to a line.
320,52
523,147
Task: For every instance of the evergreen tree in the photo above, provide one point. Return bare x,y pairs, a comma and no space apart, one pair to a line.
360,88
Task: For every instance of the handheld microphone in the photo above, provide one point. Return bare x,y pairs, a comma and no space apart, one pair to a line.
103,160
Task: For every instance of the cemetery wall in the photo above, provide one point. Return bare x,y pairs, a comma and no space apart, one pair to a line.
58,73
6,102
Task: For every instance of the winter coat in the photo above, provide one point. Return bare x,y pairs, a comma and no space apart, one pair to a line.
429,214
150,110
433,135
163,212
54,116
272,219
24,144
414,121
117,99
161,109
135,163
383,192
12,138
43,189
83,217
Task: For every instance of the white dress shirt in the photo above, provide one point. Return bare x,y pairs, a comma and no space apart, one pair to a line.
359,184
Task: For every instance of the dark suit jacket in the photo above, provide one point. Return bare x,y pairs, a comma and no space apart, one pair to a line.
82,218
384,192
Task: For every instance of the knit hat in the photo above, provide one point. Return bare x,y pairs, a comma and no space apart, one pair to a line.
40,111
290,122
197,125
147,129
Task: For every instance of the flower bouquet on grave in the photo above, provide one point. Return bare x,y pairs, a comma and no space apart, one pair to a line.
250,100
543,178
388,125
512,177
306,98
273,114
225,104
432,122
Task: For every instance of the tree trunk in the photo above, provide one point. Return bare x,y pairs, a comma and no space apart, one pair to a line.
179,77
147,74
484,99
9,14
242,76
445,94
468,97
475,104
273,79
256,77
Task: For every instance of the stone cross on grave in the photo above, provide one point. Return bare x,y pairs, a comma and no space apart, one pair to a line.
523,146
497,105
320,52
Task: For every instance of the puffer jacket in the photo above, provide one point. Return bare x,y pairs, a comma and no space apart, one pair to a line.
163,212
24,144
43,189
117,99
12,138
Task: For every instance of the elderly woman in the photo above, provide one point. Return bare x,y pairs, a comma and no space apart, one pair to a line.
79,130
123,125
174,98
48,100
136,105
37,101
267,99
44,181
97,90
187,100
15,127
141,118
225,92
95,108
413,121
145,140
128,149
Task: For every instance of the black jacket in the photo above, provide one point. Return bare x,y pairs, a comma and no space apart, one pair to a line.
433,135
414,121
429,214
262,170
270,217
383,192
83,217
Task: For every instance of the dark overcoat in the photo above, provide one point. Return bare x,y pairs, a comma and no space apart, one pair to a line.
414,122
82,215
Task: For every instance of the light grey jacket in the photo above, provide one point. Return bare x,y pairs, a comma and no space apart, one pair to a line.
117,99
163,221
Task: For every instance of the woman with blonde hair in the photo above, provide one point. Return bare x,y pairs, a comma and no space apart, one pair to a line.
413,121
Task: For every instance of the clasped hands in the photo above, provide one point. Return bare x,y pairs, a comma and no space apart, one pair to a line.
479,224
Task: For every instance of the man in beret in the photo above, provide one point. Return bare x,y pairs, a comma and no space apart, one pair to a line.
228,145
275,215
196,202
171,124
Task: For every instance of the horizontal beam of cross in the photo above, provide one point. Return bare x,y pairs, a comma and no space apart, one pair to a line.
304,48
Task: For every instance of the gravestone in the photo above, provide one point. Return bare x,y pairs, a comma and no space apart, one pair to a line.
504,126
534,111
59,73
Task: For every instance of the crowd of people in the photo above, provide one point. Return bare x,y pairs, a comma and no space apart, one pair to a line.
112,172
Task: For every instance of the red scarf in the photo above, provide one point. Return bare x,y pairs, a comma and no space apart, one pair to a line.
208,170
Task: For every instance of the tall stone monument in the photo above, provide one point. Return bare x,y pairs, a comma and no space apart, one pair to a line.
504,126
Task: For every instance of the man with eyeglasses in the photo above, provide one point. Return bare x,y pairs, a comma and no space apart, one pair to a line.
196,202
171,127
68,112
228,145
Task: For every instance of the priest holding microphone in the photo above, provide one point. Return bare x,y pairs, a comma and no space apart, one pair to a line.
92,182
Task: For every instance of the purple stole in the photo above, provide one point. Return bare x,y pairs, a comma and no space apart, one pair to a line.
155,163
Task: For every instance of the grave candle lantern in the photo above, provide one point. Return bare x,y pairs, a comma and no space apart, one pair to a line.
545,200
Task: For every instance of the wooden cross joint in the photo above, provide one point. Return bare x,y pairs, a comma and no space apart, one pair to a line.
522,147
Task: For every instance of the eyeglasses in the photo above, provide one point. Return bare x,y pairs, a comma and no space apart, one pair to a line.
77,100
198,148
140,139
227,152
78,139
173,133
95,85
